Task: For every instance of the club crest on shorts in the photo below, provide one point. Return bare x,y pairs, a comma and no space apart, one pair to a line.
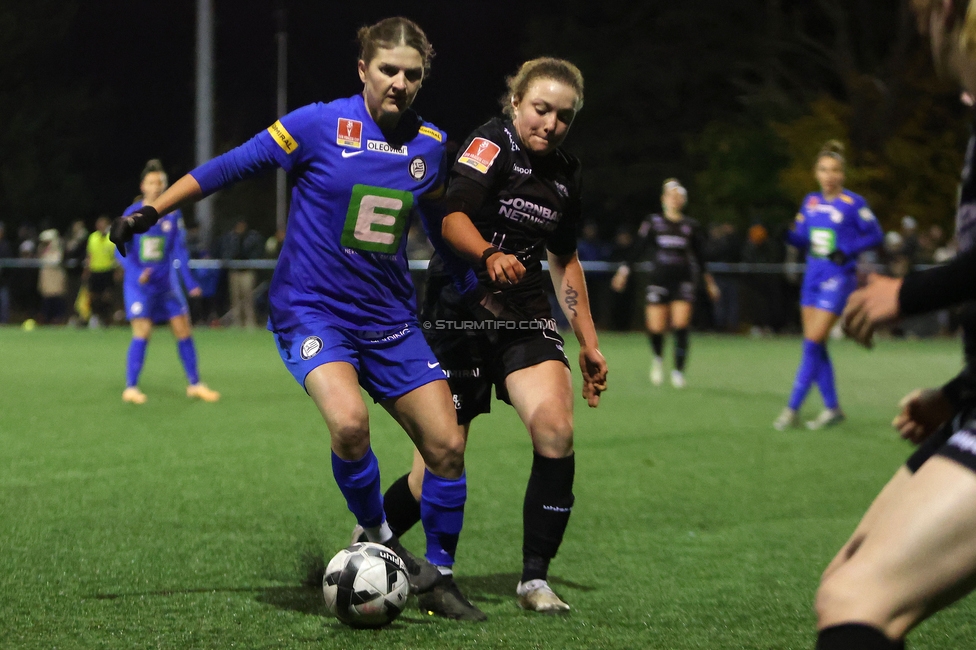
310,347
418,168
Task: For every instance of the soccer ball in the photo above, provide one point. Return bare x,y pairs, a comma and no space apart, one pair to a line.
366,585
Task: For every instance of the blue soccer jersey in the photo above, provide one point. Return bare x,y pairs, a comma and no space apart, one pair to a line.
344,255
824,228
160,252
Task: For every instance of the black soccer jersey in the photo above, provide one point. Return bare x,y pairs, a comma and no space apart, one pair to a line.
669,244
520,203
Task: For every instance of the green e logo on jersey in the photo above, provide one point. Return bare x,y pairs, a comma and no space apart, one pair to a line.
376,218
151,248
823,241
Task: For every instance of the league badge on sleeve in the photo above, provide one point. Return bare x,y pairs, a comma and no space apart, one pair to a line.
480,154
310,347
349,133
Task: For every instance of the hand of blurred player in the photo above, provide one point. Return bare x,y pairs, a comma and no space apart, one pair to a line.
144,276
124,229
594,368
922,412
871,306
196,292
619,281
504,269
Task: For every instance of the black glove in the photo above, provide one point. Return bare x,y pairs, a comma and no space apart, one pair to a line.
838,258
124,228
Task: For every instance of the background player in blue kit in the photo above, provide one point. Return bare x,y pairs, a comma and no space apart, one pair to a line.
833,226
342,304
152,290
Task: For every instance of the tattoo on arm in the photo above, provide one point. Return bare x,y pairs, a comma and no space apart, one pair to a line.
571,299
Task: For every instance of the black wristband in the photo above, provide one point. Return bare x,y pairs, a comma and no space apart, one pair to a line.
488,252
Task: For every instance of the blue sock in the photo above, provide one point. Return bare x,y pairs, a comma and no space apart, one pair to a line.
805,374
188,355
825,380
133,365
442,513
359,482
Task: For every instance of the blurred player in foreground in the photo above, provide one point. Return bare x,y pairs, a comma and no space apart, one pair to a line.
152,290
342,305
676,243
515,196
833,226
914,552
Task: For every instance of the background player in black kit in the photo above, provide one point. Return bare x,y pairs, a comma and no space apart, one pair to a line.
515,195
914,551
673,243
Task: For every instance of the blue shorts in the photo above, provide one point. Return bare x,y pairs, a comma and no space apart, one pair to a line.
158,306
389,364
828,292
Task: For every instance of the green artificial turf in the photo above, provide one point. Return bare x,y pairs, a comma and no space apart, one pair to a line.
179,524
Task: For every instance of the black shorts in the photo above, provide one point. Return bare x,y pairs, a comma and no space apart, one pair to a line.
101,282
667,284
956,440
475,357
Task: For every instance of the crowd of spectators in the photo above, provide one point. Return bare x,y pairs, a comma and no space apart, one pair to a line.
73,277
78,282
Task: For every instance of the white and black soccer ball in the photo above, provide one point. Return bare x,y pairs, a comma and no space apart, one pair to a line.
366,585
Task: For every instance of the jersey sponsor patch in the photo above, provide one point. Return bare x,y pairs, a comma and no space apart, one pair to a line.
310,347
151,248
849,200
349,133
376,219
480,154
417,168
385,147
282,137
432,133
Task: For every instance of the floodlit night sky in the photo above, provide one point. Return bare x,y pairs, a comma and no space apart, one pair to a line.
140,59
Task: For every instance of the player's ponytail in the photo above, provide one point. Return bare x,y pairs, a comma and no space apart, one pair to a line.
391,32
831,149
542,68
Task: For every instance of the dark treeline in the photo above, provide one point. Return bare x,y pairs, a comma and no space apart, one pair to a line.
734,98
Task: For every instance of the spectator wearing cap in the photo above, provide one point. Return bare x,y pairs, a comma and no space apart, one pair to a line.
52,281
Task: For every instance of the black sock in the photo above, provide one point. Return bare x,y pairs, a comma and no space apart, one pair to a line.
402,509
855,636
657,343
680,348
548,504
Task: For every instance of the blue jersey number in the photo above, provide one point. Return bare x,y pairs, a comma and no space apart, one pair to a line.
376,219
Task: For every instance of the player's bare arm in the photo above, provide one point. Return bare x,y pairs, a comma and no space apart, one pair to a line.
570,284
